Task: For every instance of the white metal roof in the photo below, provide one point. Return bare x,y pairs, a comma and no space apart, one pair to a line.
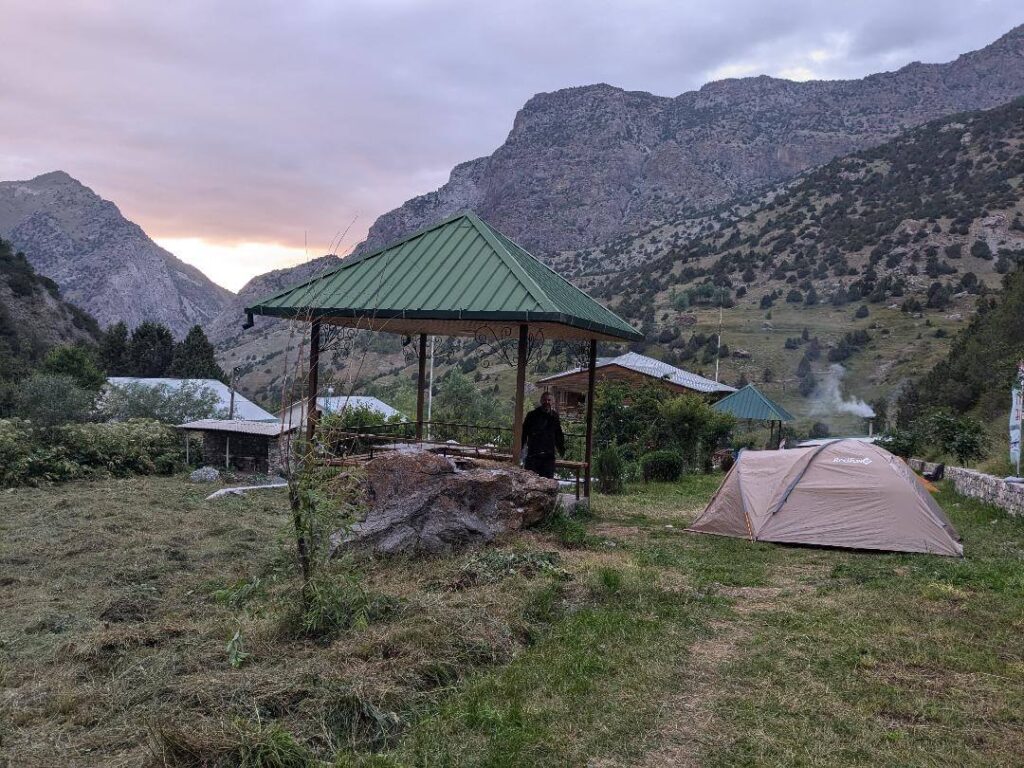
240,426
656,369
244,408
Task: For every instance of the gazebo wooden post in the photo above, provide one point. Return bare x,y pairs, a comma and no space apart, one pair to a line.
421,384
314,378
589,451
517,418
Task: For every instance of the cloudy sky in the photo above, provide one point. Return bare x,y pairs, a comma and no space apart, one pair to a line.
232,130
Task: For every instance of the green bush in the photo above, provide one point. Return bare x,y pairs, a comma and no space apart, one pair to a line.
171,405
610,470
665,466
29,454
48,400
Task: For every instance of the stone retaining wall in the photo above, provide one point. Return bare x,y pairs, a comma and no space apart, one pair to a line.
970,482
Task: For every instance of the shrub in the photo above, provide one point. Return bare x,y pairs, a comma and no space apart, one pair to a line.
29,454
609,470
77,363
48,400
171,405
121,448
902,442
665,466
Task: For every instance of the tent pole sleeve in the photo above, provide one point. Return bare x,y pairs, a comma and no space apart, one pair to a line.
421,387
314,378
589,451
517,418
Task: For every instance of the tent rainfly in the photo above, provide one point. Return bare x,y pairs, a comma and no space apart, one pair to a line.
460,277
845,493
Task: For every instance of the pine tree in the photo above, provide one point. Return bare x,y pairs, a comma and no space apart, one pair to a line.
194,358
151,350
114,350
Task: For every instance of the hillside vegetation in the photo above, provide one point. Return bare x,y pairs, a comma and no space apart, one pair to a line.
881,255
34,317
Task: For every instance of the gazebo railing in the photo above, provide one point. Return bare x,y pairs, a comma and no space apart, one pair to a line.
437,435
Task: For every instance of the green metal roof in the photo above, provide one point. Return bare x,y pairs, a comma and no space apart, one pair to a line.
751,403
461,270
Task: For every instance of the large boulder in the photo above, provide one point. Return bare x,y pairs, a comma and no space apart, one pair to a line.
421,503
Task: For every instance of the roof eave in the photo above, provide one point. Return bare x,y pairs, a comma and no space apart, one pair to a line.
371,315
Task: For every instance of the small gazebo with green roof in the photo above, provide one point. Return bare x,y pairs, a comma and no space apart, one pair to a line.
460,277
751,404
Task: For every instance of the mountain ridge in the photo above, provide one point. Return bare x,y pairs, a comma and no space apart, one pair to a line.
103,262
643,157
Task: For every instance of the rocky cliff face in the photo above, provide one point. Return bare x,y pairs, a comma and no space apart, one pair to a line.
583,165
102,262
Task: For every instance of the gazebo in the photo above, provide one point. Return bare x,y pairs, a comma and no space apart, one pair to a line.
750,404
460,277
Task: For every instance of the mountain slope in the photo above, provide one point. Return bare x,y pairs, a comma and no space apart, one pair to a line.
102,262
583,165
34,317
880,254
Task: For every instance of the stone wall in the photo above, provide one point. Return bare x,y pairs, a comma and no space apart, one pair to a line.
978,485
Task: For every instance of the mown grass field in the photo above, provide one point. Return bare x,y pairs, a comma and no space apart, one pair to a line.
615,641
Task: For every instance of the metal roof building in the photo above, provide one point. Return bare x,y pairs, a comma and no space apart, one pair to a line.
645,366
750,404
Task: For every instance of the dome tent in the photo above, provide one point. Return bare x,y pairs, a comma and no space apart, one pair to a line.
842,494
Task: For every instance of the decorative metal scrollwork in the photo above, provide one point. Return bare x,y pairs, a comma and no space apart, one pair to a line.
338,339
578,353
505,342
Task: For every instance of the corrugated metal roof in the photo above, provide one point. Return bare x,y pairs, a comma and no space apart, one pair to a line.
238,426
244,408
751,403
656,369
459,269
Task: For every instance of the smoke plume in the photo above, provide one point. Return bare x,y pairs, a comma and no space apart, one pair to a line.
828,396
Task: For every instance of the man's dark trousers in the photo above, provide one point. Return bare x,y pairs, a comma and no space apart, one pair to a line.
543,465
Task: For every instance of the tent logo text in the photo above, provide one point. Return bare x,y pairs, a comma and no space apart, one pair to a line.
850,460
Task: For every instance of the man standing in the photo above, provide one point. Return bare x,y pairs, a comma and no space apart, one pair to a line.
542,436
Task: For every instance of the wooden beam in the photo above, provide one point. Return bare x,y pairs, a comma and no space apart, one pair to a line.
421,384
313,382
589,455
517,419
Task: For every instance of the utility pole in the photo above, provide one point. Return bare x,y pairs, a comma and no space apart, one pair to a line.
231,387
718,352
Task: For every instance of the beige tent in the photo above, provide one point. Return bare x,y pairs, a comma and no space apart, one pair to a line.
845,493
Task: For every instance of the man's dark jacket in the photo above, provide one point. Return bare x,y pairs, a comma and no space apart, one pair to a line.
542,433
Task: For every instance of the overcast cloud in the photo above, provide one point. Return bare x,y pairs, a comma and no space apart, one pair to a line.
227,129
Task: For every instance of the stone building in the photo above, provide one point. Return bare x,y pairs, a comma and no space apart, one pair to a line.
249,446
